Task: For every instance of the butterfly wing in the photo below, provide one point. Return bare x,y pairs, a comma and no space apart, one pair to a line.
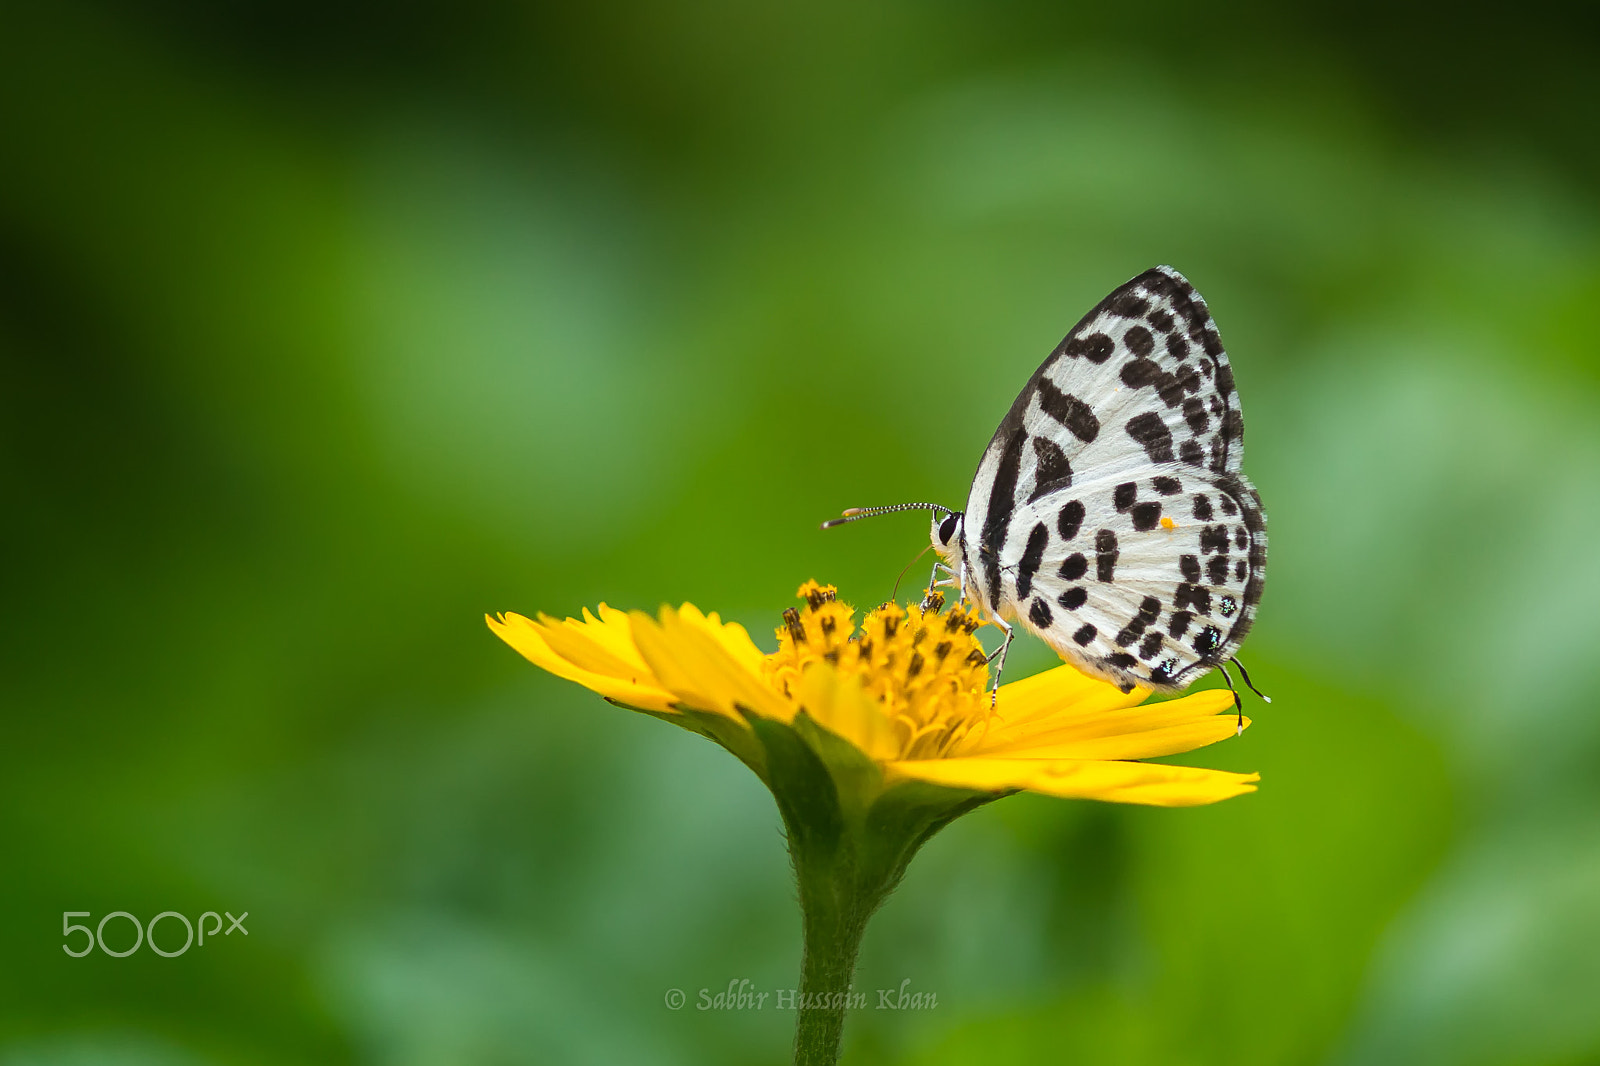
1151,580
1140,389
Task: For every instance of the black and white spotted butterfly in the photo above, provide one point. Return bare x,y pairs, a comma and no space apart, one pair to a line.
1109,514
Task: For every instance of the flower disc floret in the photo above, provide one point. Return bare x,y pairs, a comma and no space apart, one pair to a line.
923,666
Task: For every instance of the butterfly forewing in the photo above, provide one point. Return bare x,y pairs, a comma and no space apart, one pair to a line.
1128,435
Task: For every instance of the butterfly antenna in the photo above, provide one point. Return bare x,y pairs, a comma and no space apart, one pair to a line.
1246,675
856,513
925,549
1238,704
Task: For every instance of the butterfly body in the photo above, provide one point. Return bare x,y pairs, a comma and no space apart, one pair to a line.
1109,514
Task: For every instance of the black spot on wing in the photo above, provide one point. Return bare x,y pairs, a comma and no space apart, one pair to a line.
1126,303
1075,566
1123,495
1146,516
1068,410
1190,566
1139,339
1224,379
1196,596
1188,379
1142,373
1217,570
1039,614
1105,555
1070,519
1151,432
1130,633
1207,641
1168,486
1073,598
1084,635
1095,347
1149,610
1138,373
1053,471
1032,557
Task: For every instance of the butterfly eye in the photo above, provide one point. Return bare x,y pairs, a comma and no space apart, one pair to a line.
947,528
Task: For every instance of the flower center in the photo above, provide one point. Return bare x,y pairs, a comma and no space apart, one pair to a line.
925,668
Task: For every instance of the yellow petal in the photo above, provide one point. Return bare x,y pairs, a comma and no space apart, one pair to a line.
1130,733
699,670
574,641
636,688
733,637
611,631
844,706
1149,744
1114,782
1046,693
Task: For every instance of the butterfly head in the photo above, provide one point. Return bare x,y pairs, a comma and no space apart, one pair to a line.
945,532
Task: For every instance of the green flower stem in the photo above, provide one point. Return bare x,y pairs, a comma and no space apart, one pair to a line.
834,912
850,840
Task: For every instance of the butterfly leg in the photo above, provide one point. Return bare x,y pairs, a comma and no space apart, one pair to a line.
1246,675
1000,653
1238,704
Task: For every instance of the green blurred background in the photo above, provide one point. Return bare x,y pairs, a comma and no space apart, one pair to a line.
323,332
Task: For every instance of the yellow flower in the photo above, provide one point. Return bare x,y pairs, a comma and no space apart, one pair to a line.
873,738
906,693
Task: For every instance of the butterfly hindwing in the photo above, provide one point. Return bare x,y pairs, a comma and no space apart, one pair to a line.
1152,580
1141,381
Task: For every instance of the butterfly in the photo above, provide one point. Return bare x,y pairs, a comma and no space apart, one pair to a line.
1109,514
